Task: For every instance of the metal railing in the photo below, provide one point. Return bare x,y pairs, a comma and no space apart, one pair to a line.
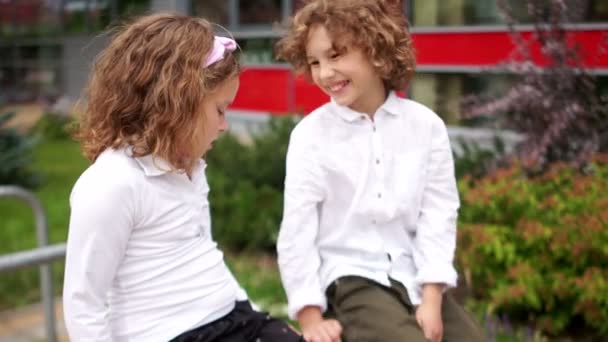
42,255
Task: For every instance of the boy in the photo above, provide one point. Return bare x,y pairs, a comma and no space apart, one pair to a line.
368,233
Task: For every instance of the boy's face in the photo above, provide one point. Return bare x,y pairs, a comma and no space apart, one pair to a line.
348,77
214,107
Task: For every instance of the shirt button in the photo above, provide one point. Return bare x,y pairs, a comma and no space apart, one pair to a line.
377,161
379,195
374,222
374,128
362,117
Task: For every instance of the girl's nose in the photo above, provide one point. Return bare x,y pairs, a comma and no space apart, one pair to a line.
223,125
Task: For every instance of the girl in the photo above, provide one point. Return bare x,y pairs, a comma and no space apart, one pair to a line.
368,232
141,264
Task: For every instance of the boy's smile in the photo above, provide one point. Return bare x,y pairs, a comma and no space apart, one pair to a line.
345,74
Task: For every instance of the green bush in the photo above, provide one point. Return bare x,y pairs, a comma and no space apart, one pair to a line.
15,156
536,249
477,161
53,126
246,182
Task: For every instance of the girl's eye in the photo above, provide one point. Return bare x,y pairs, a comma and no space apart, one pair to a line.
313,63
335,55
220,112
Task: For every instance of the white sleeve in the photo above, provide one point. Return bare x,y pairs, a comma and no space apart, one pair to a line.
101,221
435,240
298,255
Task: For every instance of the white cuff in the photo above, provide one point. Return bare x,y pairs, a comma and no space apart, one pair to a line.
301,299
439,274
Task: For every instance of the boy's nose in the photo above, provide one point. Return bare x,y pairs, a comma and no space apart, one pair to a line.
326,72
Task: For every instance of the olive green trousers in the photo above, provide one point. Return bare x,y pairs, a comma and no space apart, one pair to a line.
369,311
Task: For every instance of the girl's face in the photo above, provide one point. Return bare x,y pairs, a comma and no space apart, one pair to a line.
348,77
214,106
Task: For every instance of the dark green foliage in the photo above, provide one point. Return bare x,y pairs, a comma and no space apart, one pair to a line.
476,161
246,183
53,126
15,156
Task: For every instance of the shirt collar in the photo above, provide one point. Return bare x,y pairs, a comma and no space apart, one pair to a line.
156,166
390,105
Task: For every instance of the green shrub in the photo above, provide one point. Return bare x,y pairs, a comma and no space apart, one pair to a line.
53,126
477,161
246,182
536,249
15,156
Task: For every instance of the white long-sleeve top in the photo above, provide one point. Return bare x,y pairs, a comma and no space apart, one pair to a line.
373,198
141,263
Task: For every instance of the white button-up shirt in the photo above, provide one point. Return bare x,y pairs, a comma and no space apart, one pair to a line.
141,264
374,198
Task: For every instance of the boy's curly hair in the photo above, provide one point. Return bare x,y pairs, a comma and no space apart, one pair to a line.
147,87
376,26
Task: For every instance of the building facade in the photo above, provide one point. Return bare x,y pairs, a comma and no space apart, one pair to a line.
47,46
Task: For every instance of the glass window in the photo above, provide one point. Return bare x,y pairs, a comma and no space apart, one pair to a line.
81,16
485,12
28,18
216,11
259,12
597,11
444,92
257,51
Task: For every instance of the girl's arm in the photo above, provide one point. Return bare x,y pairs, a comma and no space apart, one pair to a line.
101,220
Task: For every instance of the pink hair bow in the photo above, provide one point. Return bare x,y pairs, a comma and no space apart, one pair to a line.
220,46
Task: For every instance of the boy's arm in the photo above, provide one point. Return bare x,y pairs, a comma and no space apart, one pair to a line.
100,224
428,313
435,240
298,255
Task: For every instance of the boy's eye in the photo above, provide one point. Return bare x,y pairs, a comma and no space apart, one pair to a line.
220,112
335,55
313,63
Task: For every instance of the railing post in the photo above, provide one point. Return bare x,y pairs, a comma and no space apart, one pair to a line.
46,277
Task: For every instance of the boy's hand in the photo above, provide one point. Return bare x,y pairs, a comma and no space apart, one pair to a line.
317,329
428,314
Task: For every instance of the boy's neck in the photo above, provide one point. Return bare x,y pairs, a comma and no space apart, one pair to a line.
374,101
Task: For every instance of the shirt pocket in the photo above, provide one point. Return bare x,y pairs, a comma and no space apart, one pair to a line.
408,179
344,168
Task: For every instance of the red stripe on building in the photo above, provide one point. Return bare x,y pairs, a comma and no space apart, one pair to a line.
484,49
263,89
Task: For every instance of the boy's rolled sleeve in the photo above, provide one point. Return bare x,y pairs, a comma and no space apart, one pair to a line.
435,240
298,255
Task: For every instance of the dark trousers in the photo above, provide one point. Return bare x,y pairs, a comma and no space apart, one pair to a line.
369,311
243,324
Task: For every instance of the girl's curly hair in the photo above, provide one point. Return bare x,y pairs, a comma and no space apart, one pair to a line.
147,87
376,26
